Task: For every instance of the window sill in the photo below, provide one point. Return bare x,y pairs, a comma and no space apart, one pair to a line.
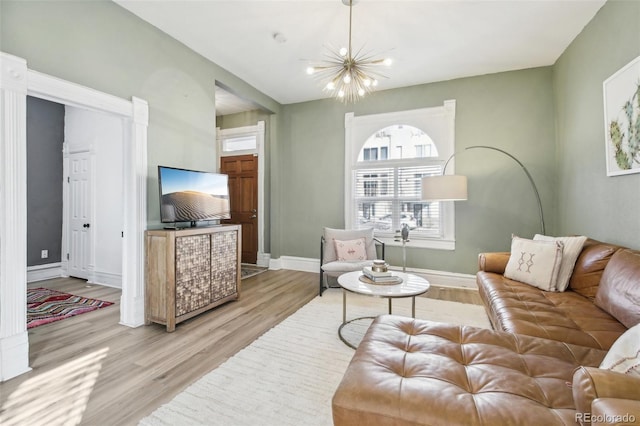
420,243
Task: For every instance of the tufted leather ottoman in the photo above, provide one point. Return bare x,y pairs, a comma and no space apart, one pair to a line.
414,372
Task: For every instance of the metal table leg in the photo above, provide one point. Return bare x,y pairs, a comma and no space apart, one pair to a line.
344,306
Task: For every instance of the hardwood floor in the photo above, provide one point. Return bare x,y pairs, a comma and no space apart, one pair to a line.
90,370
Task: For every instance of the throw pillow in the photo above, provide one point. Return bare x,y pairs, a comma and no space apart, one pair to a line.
351,250
536,263
331,234
572,247
624,355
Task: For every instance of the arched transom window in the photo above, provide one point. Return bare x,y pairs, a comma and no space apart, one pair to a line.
384,176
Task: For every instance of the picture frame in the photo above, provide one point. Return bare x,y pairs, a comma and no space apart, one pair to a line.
621,94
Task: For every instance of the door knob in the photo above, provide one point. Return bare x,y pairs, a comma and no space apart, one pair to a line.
254,216
86,225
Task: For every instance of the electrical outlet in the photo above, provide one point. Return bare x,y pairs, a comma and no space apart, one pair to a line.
44,254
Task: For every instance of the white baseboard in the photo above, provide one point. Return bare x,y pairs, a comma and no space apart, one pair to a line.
107,279
443,278
14,356
275,264
440,278
132,311
264,259
44,272
299,264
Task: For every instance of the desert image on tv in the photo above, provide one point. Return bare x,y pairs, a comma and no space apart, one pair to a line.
185,206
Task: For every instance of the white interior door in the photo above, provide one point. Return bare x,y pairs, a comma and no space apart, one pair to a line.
80,230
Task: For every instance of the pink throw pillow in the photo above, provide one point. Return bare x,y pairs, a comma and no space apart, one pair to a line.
351,250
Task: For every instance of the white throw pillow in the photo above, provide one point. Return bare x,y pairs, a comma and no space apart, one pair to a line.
351,250
570,252
536,263
624,355
331,234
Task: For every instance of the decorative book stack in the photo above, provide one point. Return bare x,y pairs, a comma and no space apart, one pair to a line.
381,277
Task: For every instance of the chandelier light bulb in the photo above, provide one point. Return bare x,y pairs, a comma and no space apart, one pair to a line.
311,70
375,83
361,92
343,51
388,62
367,82
330,85
347,79
341,93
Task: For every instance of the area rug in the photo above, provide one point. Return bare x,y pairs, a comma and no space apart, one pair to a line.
289,374
45,306
250,270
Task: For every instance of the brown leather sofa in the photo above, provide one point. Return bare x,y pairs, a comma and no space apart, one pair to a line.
572,316
538,367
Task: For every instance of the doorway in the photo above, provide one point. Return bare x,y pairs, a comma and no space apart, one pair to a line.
20,82
92,202
243,195
242,157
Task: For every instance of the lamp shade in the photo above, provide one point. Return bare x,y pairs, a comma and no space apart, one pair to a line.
444,188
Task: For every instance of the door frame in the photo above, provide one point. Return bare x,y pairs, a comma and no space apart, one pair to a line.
257,130
16,82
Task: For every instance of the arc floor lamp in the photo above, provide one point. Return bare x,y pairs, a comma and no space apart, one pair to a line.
454,187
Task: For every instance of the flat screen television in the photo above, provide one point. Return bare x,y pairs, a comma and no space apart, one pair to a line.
192,196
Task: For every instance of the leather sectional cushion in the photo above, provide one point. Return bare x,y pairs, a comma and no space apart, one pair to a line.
619,289
493,262
589,267
594,385
567,317
416,372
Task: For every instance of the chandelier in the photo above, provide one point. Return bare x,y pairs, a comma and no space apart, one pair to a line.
348,75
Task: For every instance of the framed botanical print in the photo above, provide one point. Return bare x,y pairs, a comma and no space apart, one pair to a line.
621,94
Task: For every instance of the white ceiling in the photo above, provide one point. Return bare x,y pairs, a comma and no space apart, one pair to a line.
229,103
429,40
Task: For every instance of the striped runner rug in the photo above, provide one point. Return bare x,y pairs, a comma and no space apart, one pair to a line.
45,306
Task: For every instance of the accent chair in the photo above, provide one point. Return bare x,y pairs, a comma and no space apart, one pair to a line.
343,251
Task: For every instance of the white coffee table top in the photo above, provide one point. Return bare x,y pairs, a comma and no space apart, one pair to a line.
411,285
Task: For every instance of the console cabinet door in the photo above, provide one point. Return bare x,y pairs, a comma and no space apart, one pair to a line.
224,264
193,273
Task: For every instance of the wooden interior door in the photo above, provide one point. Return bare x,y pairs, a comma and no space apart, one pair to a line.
243,195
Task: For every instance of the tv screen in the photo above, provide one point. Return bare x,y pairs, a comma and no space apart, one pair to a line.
190,195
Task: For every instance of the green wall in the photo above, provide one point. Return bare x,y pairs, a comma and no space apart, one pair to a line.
512,111
590,203
551,118
103,46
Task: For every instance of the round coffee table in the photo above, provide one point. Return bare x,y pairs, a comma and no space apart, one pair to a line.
411,286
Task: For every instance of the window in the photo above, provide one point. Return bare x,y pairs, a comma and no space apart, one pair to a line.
386,165
370,154
386,198
240,143
240,140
